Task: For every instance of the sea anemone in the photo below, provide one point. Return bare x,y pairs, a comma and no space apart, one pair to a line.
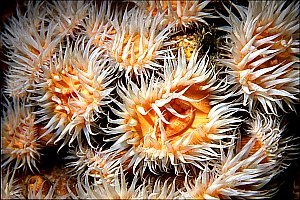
19,143
270,135
263,56
9,187
74,88
82,159
267,132
90,163
36,188
177,121
98,24
138,42
30,41
184,13
149,100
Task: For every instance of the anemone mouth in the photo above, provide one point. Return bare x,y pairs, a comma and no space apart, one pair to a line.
177,125
67,88
181,118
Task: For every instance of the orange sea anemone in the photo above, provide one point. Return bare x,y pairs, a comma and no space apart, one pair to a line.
263,56
158,99
30,41
248,166
138,42
39,188
92,164
238,175
120,189
19,141
269,133
159,189
74,88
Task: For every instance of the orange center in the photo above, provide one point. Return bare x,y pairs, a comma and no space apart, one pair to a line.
195,114
63,88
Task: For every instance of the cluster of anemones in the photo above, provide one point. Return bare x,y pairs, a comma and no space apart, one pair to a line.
174,120
142,106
